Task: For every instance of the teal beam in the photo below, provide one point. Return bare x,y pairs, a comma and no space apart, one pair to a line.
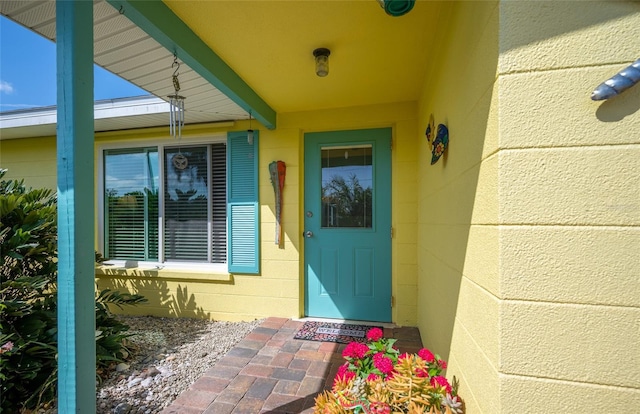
159,22
76,256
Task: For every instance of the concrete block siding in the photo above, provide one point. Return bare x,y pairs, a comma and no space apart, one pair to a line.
569,209
529,226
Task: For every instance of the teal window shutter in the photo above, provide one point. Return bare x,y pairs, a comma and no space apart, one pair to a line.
242,204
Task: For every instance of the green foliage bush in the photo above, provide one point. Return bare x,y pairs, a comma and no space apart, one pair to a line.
28,300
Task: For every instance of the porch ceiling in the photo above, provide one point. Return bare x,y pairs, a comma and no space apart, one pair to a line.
374,58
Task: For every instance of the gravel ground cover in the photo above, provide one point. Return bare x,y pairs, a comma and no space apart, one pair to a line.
168,355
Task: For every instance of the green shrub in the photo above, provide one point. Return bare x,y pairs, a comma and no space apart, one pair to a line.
110,331
28,300
27,293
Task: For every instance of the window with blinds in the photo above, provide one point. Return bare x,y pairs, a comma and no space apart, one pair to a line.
174,212
131,203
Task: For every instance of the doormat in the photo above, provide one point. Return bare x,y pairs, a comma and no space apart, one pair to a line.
333,332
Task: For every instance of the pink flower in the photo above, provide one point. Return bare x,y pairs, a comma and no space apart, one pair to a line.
344,373
442,363
372,377
403,356
355,350
383,363
349,375
380,407
8,346
425,354
342,369
440,381
374,334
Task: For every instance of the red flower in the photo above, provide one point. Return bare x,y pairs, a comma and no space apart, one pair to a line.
425,354
380,408
440,381
355,350
374,334
403,356
344,373
442,363
383,363
372,377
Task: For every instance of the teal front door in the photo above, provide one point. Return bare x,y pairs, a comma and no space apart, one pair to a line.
347,224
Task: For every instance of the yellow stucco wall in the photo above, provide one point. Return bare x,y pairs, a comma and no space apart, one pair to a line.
569,195
529,227
31,159
402,117
279,289
458,204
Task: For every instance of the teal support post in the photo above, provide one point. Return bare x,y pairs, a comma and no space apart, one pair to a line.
76,256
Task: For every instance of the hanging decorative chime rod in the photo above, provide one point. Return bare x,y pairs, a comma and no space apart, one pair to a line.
176,103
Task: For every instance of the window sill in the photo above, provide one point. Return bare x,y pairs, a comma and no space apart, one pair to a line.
114,271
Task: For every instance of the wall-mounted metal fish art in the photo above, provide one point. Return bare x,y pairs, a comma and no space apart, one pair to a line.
619,83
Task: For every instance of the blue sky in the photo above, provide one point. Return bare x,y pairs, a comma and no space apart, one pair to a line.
28,71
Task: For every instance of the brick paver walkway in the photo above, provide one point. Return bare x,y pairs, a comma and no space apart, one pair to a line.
270,372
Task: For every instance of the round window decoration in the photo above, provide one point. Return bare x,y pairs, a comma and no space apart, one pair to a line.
180,161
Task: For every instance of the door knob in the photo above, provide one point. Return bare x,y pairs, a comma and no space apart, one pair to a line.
308,233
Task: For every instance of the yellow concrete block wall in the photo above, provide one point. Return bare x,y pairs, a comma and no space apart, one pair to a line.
31,159
279,289
401,117
274,292
404,219
528,228
569,209
458,287
235,298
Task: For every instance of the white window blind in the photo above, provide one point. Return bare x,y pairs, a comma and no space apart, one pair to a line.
219,204
131,203
190,198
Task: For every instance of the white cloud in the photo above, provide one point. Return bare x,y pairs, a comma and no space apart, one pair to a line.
6,87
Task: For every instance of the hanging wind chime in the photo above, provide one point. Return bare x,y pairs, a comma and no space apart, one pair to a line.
176,115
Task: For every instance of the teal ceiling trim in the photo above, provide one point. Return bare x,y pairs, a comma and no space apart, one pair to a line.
157,20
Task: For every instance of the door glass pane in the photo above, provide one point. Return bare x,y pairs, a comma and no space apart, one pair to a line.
347,186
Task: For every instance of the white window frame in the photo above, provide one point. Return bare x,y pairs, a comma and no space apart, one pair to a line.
160,144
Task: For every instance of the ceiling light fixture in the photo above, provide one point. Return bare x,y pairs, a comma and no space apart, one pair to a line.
176,104
396,8
322,61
